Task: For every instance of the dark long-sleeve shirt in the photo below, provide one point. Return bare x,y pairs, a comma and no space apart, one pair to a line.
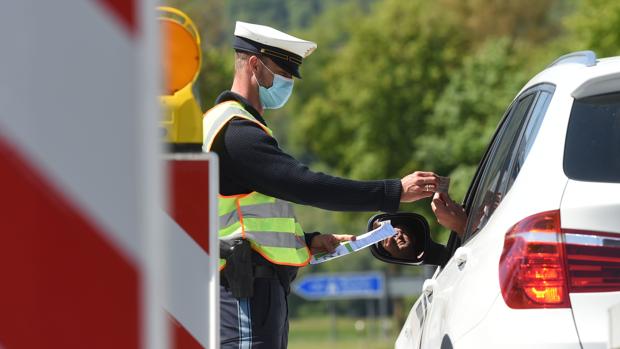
251,160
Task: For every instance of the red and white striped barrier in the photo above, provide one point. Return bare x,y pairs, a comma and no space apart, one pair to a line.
193,273
88,256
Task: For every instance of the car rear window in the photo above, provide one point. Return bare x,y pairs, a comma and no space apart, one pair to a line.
592,151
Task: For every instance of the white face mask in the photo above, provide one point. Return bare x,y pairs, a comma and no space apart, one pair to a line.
275,96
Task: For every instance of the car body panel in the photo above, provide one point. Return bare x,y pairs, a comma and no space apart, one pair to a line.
409,336
591,206
508,328
591,314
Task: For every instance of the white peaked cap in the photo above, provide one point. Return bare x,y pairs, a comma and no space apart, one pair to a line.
284,50
271,37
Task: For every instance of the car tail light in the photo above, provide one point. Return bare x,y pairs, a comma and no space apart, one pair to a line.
532,272
593,260
541,262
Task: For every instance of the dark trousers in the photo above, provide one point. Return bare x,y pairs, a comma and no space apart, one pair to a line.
260,322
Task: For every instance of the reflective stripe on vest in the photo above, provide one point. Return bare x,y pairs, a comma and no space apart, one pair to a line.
268,223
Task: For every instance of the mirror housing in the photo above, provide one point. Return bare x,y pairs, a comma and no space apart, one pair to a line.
415,248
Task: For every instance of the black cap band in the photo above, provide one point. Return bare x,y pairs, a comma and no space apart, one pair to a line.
286,60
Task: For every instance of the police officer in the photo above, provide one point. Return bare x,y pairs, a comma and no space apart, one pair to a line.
264,243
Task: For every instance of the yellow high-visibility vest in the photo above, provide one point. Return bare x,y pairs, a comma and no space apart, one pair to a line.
267,222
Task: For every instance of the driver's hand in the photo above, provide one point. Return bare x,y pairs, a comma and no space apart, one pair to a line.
449,214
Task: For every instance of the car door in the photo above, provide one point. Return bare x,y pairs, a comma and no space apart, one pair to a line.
460,293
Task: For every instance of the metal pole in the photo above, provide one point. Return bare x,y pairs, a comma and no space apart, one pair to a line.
333,319
383,304
373,316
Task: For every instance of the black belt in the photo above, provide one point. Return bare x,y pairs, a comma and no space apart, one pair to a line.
260,272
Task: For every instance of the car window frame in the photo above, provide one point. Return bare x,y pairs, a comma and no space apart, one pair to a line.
494,147
491,153
481,172
540,89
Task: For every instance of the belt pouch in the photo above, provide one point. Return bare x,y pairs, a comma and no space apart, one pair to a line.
239,271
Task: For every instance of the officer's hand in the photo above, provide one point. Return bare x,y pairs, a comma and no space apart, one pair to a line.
418,185
328,242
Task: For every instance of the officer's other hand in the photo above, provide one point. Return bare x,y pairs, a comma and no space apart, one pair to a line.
328,242
418,185
449,214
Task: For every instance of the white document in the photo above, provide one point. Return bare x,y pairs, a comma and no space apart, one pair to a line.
384,231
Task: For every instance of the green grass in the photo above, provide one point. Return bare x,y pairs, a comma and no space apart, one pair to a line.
319,333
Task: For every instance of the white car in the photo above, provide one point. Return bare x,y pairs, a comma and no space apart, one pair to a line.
539,263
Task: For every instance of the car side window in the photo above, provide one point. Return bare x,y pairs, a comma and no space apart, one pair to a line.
493,183
538,113
531,130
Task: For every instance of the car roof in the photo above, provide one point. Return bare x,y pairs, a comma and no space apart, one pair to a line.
591,74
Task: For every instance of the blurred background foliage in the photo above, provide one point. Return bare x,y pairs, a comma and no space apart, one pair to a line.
397,86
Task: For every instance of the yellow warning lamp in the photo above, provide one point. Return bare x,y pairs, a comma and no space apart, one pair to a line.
181,60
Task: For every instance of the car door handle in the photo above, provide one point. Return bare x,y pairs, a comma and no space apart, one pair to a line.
461,255
429,286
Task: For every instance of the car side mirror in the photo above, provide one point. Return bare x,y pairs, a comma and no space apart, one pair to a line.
412,244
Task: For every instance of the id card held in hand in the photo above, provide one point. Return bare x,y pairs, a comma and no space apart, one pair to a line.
444,183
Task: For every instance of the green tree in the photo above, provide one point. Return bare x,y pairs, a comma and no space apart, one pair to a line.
468,111
595,25
378,89
534,21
